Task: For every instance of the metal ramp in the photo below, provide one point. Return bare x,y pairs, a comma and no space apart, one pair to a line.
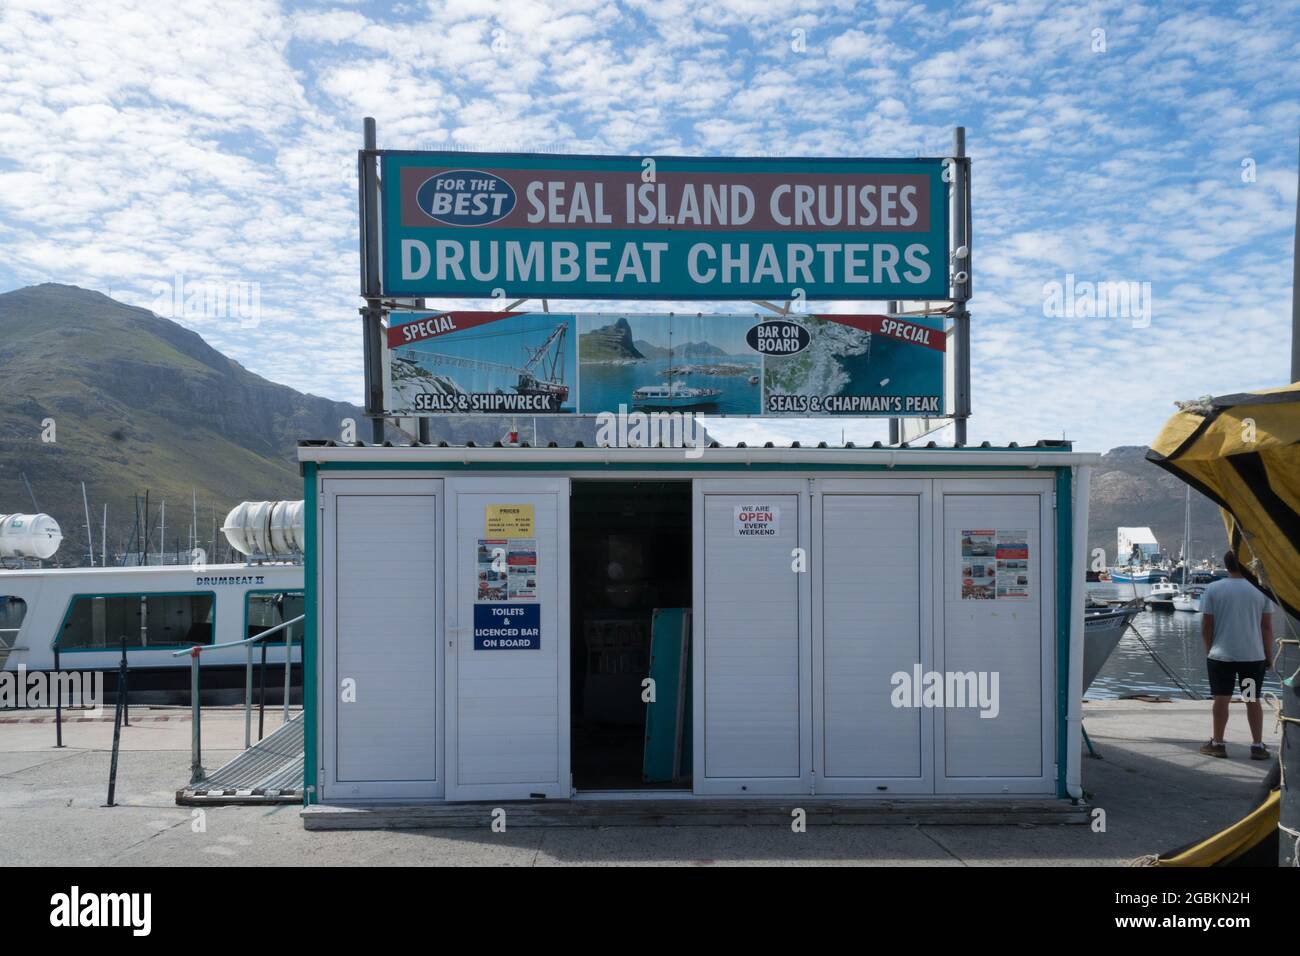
270,771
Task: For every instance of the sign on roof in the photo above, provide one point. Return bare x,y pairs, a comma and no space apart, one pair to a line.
521,225
528,363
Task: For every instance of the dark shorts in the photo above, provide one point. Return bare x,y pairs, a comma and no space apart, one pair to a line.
1227,676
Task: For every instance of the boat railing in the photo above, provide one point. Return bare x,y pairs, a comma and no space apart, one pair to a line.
197,772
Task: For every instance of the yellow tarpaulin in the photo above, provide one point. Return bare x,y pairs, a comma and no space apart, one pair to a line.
1227,846
1243,452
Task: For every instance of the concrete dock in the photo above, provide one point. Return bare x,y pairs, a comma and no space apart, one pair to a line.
1156,790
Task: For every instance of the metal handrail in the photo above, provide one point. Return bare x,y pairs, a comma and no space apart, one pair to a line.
249,640
197,772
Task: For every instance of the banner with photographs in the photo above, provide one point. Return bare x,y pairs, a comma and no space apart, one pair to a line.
528,363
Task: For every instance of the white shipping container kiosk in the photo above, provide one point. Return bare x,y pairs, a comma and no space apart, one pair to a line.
814,577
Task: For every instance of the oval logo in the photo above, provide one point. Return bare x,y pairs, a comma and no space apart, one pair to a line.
466,197
778,337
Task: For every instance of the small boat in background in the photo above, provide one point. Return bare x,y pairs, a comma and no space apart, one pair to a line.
1162,595
1189,599
1138,574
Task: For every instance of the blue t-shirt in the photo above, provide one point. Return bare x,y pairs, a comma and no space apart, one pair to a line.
1237,606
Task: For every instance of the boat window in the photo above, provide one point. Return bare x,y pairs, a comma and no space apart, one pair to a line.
12,612
267,610
141,620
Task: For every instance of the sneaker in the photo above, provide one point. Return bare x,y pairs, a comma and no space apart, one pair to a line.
1259,752
1211,749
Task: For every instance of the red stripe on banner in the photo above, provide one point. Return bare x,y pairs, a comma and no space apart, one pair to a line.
443,323
893,328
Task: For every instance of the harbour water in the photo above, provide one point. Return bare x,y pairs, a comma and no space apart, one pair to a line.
1176,637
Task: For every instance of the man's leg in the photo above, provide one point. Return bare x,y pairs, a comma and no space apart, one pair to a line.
1254,717
1219,710
1223,681
1251,675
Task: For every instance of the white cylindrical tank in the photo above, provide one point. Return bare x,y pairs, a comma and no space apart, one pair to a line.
29,536
265,527
287,527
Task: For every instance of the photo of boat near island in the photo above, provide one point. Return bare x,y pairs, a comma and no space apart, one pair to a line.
684,362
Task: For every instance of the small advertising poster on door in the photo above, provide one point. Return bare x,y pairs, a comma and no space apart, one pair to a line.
491,566
506,569
1013,564
994,564
521,569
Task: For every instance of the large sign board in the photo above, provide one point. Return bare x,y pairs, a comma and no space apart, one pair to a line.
529,363
520,225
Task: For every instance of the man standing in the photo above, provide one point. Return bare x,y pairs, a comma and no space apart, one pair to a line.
1237,627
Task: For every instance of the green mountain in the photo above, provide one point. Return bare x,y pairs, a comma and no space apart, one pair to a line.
138,402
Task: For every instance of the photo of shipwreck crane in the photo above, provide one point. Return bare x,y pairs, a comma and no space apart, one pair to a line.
467,371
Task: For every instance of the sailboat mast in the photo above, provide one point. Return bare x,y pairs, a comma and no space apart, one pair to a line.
90,536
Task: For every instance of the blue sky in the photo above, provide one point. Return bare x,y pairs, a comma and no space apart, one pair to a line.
1111,141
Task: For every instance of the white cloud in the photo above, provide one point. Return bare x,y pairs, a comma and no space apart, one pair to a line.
220,140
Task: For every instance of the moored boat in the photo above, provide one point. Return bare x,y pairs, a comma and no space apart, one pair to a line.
1162,594
1189,599
1102,629
673,395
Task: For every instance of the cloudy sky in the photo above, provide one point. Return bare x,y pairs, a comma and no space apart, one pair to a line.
1111,141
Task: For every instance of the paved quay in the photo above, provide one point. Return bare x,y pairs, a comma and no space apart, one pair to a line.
1156,790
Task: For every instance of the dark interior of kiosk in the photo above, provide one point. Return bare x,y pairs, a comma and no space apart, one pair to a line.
631,555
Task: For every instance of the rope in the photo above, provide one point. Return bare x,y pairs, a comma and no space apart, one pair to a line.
1163,666
1295,850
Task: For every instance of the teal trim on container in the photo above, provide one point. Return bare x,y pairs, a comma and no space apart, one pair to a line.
1064,601
67,612
309,703
691,466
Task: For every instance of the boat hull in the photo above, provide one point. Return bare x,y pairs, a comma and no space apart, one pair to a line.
1101,634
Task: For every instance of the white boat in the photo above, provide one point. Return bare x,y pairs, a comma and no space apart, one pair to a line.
1189,599
1102,629
673,395
90,613
90,616
1162,595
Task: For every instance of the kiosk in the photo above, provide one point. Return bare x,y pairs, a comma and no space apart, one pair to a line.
863,622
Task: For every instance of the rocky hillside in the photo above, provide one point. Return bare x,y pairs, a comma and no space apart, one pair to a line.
1127,490
137,402
609,342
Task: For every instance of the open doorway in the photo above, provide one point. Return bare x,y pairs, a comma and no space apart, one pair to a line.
630,614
